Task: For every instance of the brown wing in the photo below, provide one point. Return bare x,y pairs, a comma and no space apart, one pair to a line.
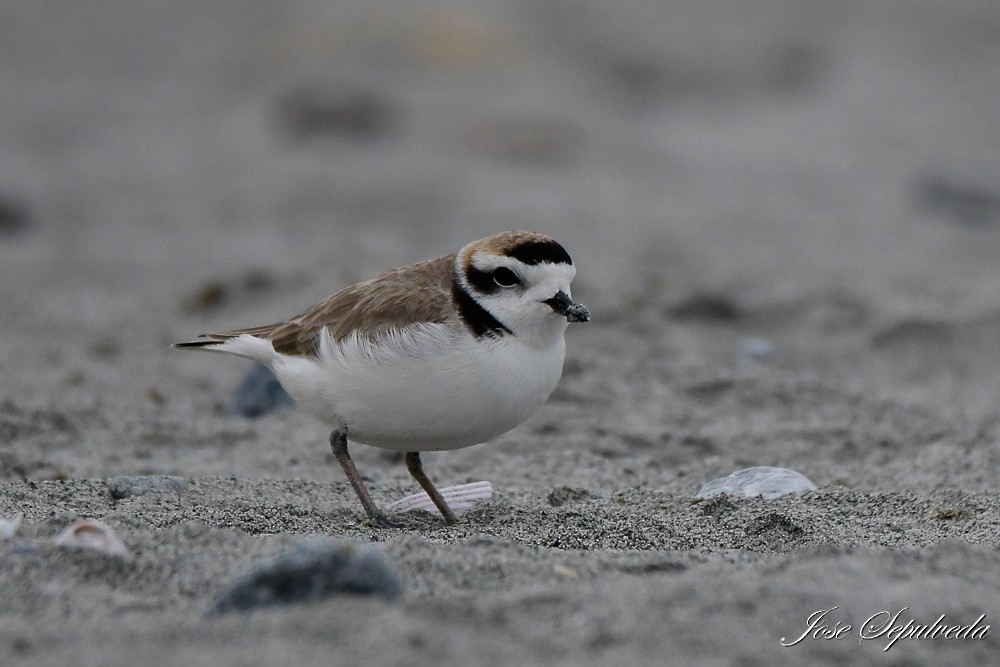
388,301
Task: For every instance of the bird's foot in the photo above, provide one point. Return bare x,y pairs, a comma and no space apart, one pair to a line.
382,520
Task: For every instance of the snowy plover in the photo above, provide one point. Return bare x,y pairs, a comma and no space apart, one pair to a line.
433,356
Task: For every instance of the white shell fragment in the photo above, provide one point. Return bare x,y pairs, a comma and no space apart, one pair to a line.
92,534
761,481
459,498
8,527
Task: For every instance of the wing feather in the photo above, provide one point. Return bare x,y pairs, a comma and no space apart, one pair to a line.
416,294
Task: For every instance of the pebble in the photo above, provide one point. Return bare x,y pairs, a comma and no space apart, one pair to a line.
208,296
755,349
125,486
526,140
707,307
964,202
8,527
258,394
761,481
14,218
316,569
316,111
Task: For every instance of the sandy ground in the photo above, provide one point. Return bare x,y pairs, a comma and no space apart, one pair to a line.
786,220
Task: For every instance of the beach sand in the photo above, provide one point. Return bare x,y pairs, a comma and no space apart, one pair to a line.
786,222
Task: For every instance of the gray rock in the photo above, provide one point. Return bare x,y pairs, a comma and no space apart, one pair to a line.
126,486
14,217
258,394
761,481
755,349
962,201
316,569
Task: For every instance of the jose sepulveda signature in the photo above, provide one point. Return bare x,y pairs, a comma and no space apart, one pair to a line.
887,626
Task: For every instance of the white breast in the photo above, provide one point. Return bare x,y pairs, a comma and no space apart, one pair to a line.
429,388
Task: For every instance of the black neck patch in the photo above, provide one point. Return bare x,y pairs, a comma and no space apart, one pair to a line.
477,318
536,252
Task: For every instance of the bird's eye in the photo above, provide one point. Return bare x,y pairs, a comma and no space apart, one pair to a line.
504,277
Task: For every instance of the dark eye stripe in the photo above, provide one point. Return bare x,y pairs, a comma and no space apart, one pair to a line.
536,252
481,280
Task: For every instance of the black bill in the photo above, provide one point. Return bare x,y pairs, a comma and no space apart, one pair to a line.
572,311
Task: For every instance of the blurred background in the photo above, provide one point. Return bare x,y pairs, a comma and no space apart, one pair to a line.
176,166
785,216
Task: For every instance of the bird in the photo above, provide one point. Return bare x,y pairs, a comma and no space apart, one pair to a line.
433,356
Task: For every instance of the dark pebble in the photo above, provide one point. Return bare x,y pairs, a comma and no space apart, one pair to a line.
963,203
315,111
14,217
214,294
707,307
258,394
315,570
209,296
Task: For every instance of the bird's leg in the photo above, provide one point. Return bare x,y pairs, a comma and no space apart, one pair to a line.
338,443
416,469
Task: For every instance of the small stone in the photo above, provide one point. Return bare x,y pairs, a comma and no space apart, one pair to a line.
125,486
105,348
258,394
155,397
8,527
318,568
14,218
966,203
214,294
755,349
764,481
258,281
209,296
314,111
707,307
947,513
547,141
566,572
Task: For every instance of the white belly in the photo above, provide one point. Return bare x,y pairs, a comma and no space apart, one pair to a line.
434,391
